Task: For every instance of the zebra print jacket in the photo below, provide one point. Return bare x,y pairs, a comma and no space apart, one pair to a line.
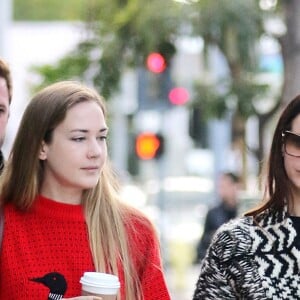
252,260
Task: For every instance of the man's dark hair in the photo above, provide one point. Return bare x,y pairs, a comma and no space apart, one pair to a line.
233,176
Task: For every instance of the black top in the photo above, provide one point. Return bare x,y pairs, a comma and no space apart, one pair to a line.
215,217
296,224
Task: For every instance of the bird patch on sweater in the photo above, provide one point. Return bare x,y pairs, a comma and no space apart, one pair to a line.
56,283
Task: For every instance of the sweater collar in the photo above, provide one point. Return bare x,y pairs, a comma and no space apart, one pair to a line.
54,209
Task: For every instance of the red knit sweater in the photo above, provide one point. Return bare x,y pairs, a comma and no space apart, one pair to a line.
45,252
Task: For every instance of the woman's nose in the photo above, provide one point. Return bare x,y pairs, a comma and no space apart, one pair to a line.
94,149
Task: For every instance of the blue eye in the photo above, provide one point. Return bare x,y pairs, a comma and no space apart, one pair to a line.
78,139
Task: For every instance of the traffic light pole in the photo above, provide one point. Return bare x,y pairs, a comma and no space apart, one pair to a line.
161,205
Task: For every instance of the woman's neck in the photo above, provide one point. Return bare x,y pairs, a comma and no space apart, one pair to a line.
68,196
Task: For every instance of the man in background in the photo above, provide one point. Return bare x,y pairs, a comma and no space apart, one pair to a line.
5,100
227,189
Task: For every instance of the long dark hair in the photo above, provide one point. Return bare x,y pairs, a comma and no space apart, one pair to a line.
278,186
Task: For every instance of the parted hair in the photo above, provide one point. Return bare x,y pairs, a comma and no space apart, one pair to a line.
278,186
106,216
6,74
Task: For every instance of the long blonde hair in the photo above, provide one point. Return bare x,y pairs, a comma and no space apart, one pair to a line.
106,216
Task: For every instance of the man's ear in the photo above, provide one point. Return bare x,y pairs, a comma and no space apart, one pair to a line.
43,153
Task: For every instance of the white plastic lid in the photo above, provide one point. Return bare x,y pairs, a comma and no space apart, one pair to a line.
97,279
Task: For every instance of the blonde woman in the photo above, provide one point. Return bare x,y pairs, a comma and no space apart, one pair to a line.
61,207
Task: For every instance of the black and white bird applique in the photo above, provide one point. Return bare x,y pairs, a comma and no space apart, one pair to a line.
56,283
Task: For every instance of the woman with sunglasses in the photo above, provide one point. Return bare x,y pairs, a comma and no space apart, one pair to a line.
258,256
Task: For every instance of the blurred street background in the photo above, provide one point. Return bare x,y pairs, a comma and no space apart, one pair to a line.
192,87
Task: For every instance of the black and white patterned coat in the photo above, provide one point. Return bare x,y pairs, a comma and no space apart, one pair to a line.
252,260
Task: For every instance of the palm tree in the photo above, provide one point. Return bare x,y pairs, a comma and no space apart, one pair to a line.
234,28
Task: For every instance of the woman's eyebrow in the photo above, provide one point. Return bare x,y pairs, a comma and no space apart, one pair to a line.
105,129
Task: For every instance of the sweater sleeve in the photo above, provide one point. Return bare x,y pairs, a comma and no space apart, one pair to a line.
214,282
149,262
153,279
229,270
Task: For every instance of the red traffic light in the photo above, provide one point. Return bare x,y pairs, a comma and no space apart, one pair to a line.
156,63
149,145
179,96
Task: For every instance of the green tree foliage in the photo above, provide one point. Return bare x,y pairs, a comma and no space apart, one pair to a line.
41,10
234,27
240,96
120,34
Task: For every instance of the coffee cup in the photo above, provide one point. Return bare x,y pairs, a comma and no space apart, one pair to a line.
100,284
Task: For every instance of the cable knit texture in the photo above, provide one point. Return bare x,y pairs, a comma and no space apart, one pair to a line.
248,260
45,252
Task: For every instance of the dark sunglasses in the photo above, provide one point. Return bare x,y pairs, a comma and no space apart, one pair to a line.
291,143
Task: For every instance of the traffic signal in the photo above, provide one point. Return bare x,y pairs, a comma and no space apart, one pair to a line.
156,89
154,82
178,96
154,78
156,63
149,145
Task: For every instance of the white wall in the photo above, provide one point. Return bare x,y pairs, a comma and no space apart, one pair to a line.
28,44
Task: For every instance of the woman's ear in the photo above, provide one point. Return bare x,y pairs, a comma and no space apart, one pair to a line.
43,154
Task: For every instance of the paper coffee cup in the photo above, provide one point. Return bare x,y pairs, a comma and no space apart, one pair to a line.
100,284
